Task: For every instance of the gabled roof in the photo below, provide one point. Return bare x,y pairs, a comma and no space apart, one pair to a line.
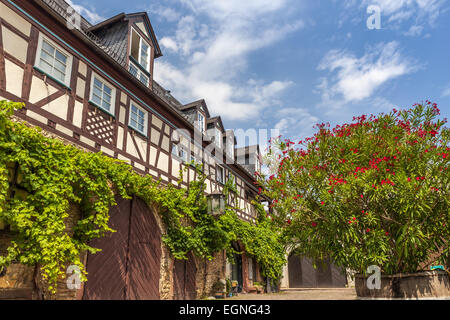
216,120
122,17
199,104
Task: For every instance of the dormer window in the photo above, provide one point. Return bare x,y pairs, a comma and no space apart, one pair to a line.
139,58
201,122
140,50
218,138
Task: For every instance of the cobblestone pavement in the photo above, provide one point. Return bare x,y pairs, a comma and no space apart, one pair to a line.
303,294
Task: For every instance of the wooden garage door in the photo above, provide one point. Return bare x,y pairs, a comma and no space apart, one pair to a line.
184,272
107,269
145,254
295,271
302,274
128,266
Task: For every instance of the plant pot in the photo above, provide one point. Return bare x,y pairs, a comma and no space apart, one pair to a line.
427,284
219,295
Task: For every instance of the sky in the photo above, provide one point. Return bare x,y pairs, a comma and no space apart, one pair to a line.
289,64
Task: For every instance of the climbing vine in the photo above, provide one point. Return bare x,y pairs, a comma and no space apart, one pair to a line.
42,180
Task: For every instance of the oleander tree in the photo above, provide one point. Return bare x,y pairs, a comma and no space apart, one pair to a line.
371,192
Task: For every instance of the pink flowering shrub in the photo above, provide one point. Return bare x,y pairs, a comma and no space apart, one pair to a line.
372,192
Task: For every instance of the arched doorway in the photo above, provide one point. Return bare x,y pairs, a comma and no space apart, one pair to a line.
128,267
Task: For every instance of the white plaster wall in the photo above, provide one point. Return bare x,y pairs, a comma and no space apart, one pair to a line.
14,78
14,19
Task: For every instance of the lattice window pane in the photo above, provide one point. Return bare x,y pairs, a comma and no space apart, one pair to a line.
102,95
53,61
138,120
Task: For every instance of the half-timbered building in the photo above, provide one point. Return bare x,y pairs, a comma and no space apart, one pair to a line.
93,86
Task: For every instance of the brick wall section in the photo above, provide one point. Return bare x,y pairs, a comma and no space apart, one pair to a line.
17,281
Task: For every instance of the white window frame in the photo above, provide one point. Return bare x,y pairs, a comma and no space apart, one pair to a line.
140,49
218,137
144,132
201,124
257,163
113,94
139,73
230,147
69,61
180,152
175,151
222,176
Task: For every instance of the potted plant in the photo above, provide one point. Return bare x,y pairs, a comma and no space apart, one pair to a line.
219,289
259,287
229,288
371,193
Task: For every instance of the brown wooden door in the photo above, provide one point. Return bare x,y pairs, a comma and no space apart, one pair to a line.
144,254
129,264
295,271
302,274
107,269
323,272
184,272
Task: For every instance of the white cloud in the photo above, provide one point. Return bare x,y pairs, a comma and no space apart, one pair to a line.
169,43
399,10
399,14
90,14
355,79
166,13
414,31
296,123
446,92
214,41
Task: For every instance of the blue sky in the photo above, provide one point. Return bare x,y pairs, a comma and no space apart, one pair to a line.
288,64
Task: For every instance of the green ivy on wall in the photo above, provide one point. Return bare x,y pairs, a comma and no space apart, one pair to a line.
51,176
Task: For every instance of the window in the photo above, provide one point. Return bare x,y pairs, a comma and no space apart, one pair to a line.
220,175
138,119
231,177
53,61
175,150
201,122
135,71
218,138
103,95
257,164
230,147
140,50
183,154
179,152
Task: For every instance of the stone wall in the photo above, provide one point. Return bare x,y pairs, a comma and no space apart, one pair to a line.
16,282
208,273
